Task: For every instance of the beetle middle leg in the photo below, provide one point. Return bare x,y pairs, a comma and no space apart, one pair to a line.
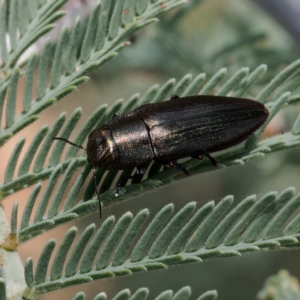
212,160
140,171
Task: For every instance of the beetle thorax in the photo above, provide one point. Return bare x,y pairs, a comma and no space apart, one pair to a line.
101,150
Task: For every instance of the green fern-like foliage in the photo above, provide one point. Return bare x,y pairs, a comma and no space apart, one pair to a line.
104,36
143,294
191,235
129,244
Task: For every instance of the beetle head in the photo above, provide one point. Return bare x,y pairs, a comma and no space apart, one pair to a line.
101,150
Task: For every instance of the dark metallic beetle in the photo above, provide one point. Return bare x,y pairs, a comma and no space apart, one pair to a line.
167,131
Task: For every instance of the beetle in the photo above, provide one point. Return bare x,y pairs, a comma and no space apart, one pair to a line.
193,126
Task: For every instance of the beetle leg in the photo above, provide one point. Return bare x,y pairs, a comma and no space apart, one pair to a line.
140,171
174,97
118,186
212,160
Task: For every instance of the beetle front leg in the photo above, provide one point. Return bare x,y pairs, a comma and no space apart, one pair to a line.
140,171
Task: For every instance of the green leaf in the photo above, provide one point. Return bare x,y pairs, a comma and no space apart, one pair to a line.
99,46
43,262
115,20
88,41
2,290
237,78
28,157
29,272
27,96
90,254
47,143
66,132
29,206
11,100
277,81
44,61
12,163
112,240
211,84
206,233
56,67
58,264
78,250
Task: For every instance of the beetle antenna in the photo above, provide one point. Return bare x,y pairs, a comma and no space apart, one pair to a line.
96,189
94,174
65,140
